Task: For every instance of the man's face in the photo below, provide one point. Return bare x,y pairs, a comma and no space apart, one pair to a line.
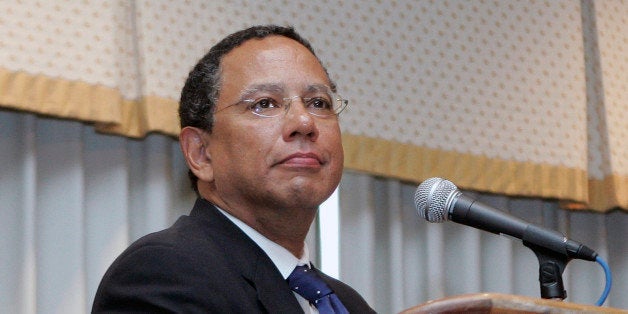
294,160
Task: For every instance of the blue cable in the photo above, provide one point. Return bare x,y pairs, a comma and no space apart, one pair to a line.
607,288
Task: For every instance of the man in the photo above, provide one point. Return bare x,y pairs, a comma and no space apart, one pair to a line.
261,138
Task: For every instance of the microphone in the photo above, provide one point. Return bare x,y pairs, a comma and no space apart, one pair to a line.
438,200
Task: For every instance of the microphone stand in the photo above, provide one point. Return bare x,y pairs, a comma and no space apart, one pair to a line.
551,267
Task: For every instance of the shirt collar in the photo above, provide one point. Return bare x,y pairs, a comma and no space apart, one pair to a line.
281,257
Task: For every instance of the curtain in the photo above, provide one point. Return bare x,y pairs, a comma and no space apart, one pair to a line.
520,98
396,260
524,98
72,199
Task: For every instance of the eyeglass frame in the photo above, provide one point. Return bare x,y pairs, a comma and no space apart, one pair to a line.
287,103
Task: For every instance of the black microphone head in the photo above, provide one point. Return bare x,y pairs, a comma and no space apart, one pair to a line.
433,197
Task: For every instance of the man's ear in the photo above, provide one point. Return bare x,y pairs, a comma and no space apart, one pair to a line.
194,145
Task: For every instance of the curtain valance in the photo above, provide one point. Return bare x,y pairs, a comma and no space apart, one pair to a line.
514,97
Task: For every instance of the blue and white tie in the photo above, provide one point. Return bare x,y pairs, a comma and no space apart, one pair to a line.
307,283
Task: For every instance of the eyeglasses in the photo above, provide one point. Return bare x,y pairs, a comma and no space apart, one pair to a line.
321,106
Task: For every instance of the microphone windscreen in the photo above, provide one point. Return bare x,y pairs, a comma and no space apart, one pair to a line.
432,199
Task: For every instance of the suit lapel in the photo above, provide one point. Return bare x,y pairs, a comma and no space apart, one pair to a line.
250,260
272,289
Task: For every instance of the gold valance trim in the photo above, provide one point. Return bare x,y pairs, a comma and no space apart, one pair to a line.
415,164
58,97
612,192
150,114
85,102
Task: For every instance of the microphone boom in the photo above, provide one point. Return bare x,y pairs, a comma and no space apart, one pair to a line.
438,200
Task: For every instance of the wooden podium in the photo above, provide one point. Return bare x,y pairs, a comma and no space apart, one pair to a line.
504,303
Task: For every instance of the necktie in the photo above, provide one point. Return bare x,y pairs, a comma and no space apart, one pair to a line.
307,283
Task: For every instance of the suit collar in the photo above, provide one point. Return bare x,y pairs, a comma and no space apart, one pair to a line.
249,259
283,259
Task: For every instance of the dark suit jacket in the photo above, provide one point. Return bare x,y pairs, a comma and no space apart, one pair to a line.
202,264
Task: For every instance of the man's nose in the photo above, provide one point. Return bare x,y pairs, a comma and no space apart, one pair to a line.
299,121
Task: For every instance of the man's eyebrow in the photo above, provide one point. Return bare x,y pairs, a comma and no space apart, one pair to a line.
279,89
318,88
270,87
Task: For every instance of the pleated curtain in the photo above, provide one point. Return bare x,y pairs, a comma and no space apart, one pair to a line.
520,103
397,259
72,199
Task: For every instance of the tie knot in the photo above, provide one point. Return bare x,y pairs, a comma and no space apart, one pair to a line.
308,284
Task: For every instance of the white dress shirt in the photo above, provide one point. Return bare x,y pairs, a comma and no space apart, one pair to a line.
281,257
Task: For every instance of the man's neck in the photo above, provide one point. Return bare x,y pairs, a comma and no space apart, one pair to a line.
281,257
286,227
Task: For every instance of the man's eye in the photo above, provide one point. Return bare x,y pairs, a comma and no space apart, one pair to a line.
264,105
319,104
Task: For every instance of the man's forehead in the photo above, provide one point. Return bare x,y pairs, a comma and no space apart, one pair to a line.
262,63
268,52
282,87
256,46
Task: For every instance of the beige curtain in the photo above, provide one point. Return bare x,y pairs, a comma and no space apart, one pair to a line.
525,98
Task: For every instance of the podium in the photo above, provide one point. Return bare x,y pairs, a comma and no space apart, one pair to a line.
504,304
